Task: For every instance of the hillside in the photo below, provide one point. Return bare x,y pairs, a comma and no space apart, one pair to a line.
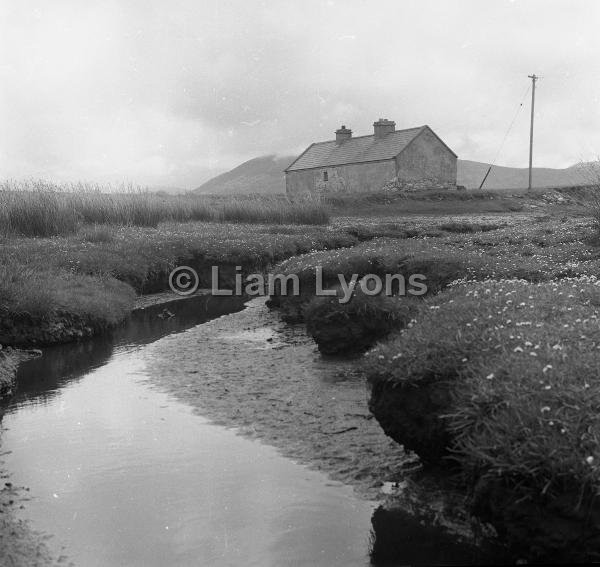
259,175
471,173
265,175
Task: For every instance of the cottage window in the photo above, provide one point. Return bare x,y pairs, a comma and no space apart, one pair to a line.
325,176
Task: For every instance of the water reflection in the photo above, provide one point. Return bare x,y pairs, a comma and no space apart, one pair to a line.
400,538
39,379
121,474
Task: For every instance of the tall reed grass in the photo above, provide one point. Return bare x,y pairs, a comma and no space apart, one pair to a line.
38,208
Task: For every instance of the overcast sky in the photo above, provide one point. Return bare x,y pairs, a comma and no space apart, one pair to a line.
164,93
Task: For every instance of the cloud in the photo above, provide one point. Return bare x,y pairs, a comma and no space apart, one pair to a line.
162,95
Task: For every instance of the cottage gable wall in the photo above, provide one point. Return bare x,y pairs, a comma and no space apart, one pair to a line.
427,160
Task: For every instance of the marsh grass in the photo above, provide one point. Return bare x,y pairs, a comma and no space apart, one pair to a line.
36,208
36,213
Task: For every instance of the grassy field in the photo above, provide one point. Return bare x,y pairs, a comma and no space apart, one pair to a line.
508,326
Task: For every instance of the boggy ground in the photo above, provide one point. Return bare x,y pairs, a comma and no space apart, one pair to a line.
491,377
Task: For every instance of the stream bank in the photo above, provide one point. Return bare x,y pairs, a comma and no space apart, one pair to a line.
246,365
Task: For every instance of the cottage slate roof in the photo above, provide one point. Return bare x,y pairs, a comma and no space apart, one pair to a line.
355,150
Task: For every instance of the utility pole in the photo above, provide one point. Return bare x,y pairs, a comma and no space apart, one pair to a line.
533,78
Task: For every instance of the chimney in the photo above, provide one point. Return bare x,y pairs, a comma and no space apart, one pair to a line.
342,135
383,126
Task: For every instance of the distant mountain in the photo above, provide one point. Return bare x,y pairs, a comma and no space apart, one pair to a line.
259,175
265,175
471,173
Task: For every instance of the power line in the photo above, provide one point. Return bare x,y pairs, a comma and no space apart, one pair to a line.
506,134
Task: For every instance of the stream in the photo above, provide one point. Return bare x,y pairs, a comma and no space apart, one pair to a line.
121,471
